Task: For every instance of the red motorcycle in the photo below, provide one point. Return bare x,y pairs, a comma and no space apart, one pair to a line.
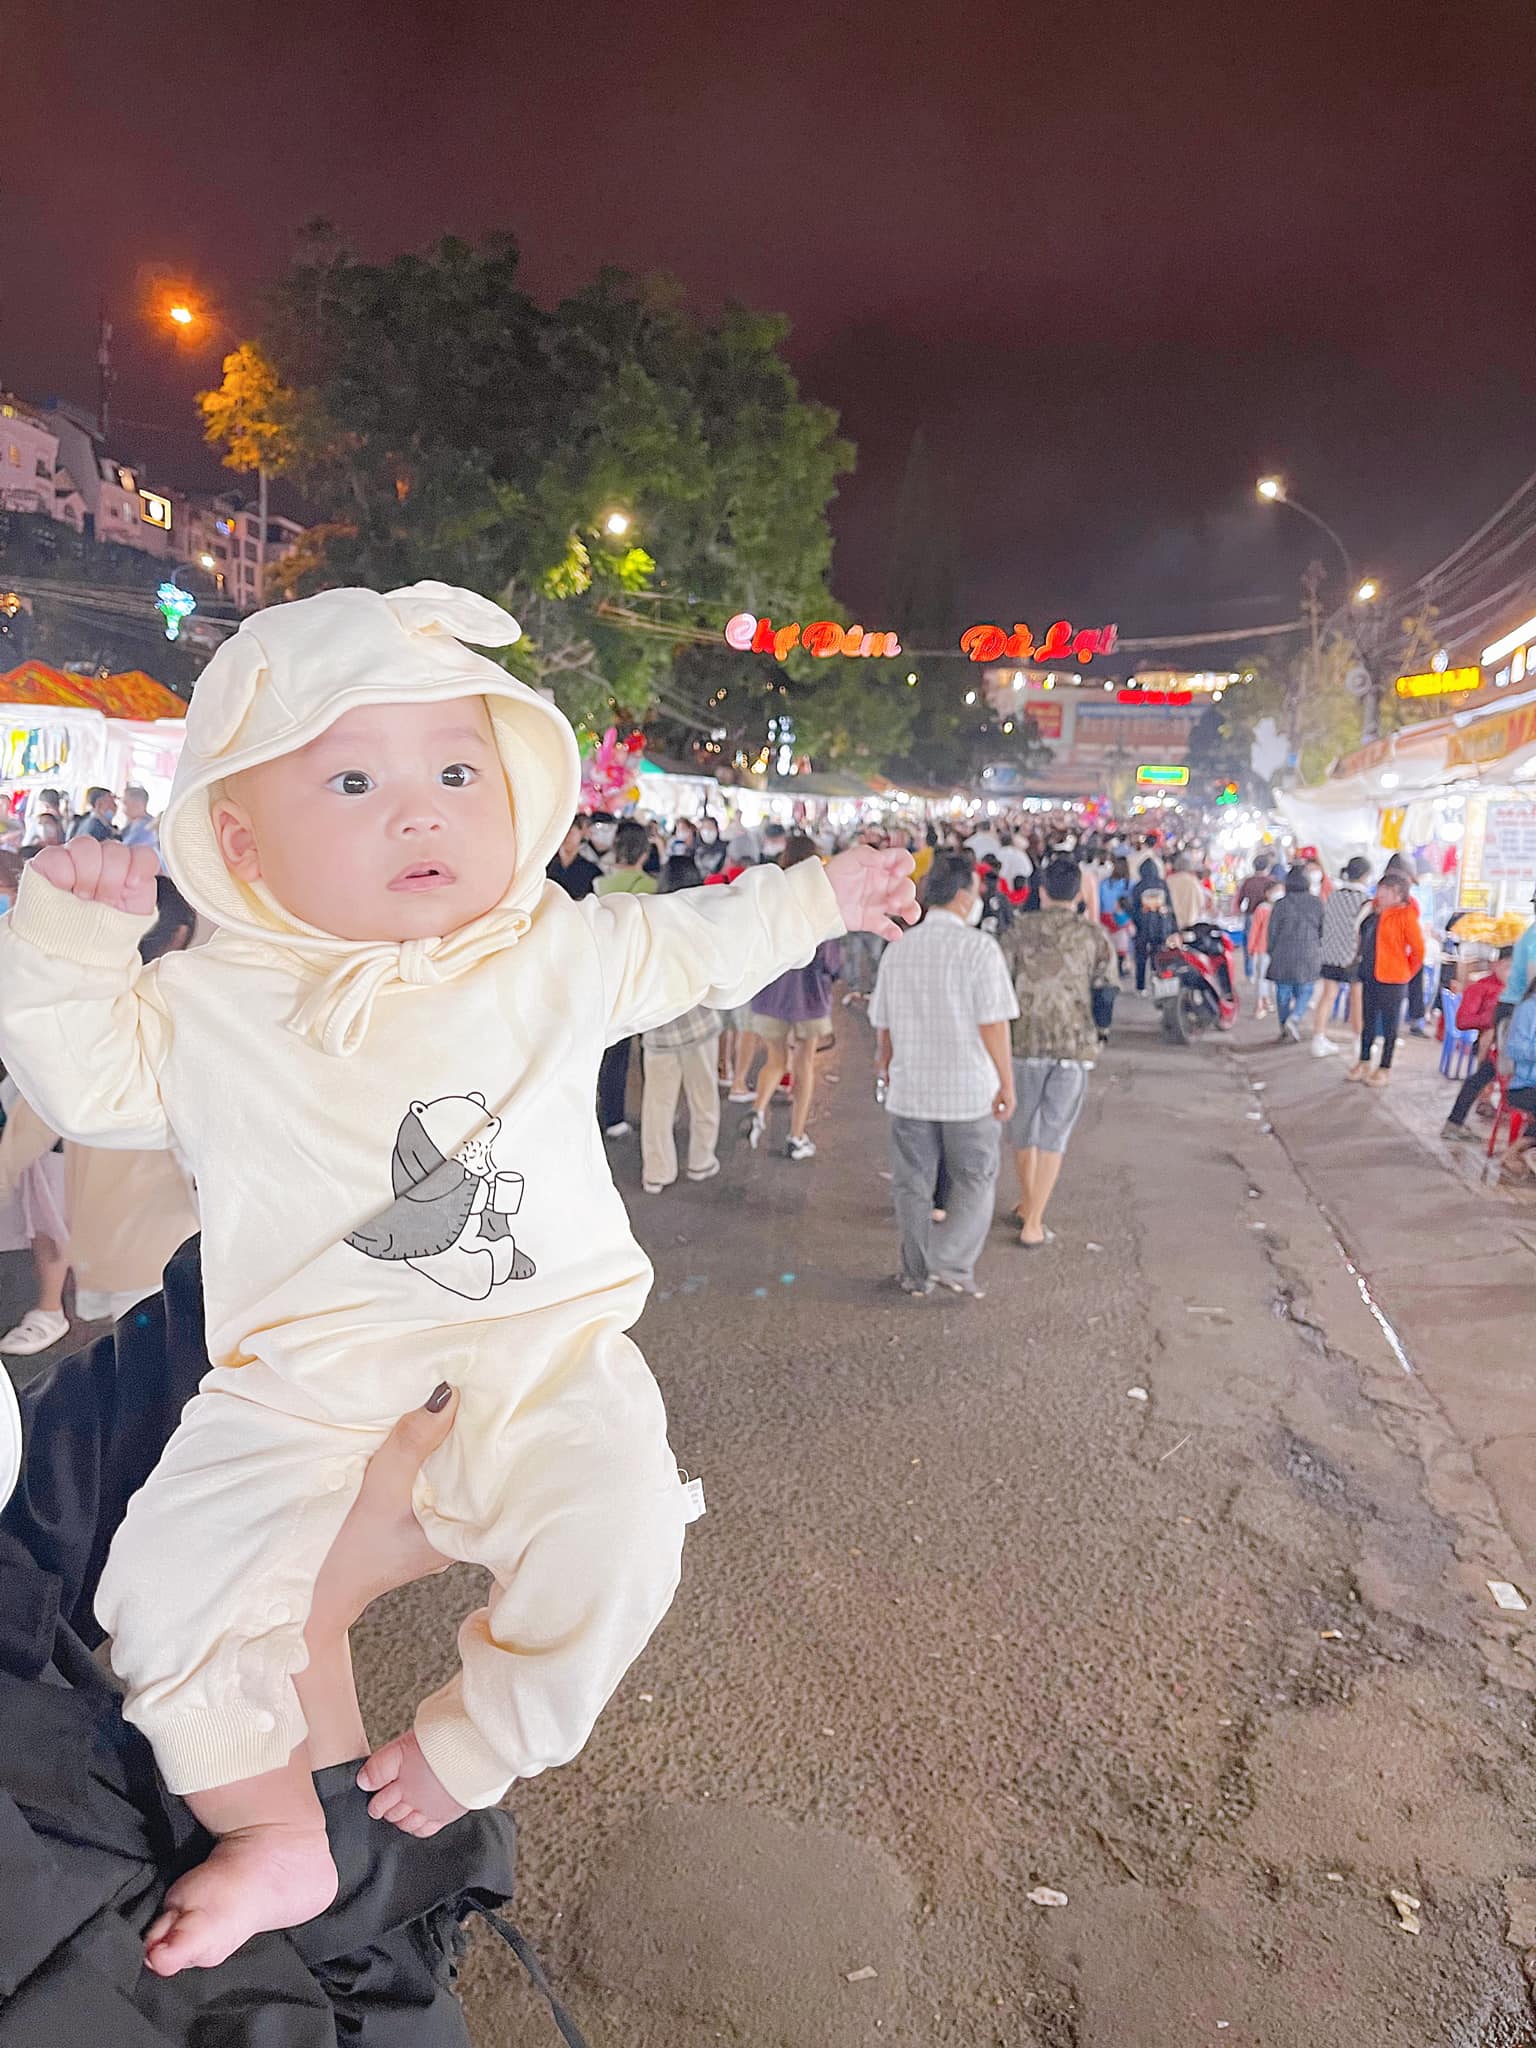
1195,981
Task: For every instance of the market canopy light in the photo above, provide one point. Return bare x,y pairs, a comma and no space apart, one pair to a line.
1445,682
1156,696
1161,775
1519,638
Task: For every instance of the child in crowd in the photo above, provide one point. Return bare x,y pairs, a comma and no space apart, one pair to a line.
1258,948
1391,954
381,1069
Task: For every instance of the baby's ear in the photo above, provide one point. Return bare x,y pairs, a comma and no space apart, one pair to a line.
235,835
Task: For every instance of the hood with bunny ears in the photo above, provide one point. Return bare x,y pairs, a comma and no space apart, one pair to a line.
292,670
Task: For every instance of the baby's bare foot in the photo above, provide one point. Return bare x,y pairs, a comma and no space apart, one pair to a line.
258,1878
406,1789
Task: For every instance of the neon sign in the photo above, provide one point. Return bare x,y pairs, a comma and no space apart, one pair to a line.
174,605
1156,696
822,638
991,643
1162,776
1443,682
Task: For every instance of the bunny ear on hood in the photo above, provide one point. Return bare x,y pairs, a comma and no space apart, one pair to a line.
292,670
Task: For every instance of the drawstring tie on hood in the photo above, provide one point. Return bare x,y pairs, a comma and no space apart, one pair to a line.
336,1012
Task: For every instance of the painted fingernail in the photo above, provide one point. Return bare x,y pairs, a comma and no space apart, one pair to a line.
441,1395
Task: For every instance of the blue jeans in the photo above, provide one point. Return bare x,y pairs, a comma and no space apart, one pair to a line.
1293,998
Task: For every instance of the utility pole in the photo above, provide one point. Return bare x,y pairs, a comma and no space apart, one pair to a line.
106,376
1312,605
261,538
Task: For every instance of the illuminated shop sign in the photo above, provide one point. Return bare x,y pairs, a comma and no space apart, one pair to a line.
1445,682
991,643
823,638
1161,775
155,510
1156,696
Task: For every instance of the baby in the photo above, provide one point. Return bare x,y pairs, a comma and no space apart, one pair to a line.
382,1070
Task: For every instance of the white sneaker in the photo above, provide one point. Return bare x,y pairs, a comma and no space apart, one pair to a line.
38,1329
741,1095
704,1172
1292,1030
1321,1047
617,1131
757,1123
801,1148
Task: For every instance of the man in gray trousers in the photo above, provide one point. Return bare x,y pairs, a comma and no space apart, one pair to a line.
941,1009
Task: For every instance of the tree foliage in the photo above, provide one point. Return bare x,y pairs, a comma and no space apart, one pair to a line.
442,423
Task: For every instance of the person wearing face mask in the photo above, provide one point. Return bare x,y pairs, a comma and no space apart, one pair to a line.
775,843
709,854
941,1009
597,846
1295,951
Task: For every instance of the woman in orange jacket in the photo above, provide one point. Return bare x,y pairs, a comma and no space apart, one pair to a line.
1391,954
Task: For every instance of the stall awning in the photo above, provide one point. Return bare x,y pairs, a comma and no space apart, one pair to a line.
133,695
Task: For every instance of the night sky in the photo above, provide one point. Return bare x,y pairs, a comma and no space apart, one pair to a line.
1113,261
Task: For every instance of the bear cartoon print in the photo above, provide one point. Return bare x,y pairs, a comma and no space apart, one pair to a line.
451,1218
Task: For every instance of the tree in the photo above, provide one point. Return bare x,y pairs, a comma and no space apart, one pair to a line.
619,472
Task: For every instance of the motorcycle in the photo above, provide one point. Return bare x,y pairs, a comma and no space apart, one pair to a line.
1195,982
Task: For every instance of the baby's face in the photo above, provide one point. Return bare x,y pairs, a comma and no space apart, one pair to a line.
394,824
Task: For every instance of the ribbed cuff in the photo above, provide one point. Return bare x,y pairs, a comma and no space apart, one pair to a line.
197,1752
464,1761
70,928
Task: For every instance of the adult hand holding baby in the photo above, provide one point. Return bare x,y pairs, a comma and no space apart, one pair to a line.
874,889
101,871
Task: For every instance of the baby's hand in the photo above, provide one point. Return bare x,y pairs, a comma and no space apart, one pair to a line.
101,871
873,889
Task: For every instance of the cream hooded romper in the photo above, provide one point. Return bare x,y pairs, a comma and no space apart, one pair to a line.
402,1182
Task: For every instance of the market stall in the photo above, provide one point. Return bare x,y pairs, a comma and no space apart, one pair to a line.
1456,797
64,731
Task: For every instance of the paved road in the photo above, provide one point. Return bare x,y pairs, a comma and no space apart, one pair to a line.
967,1617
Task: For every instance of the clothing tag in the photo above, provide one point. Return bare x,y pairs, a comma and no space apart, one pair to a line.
693,1496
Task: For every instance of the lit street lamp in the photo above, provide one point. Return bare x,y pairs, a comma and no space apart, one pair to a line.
1273,491
617,523
186,317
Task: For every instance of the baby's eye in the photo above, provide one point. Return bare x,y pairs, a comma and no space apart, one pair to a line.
351,782
459,776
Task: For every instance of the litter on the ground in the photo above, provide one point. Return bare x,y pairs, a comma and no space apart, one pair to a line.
1042,1895
863,1976
647,1697
1332,1635
1334,1876
1137,1394
1094,1247
1407,1912
1506,1595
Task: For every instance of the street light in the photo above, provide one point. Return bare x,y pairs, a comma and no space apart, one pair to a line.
1272,489
1368,590
617,523
186,316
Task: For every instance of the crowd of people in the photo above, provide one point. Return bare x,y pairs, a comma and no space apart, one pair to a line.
1368,946
987,1019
